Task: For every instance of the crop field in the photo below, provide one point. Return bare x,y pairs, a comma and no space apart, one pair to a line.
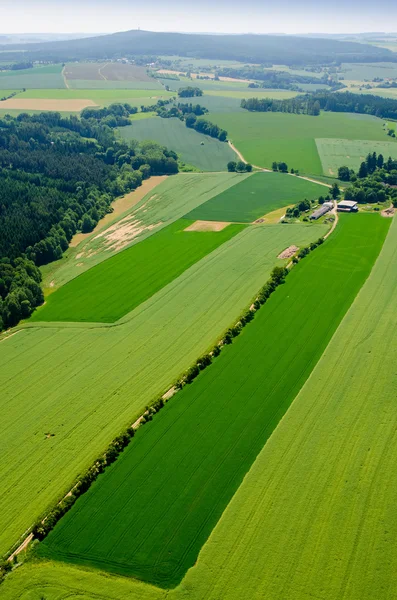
105,72
202,151
259,194
319,522
86,383
146,518
44,105
368,72
160,207
350,153
266,137
253,93
116,286
40,77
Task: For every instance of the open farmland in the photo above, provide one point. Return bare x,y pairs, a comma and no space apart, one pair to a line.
266,137
367,71
315,516
202,151
116,286
259,194
146,518
160,207
39,77
109,71
86,383
350,153
45,104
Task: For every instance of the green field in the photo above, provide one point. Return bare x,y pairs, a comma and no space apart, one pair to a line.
368,72
320,522
84,383
213,155
92,84
40,77
101,97
266,137
152,511
166,203
116,286
206,85
259,194
350,153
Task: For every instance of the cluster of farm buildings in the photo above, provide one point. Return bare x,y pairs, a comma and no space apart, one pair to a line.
343,206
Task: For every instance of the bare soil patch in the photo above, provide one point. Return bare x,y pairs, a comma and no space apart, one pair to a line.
120,206
388,212
207,226
70,105
288,252
124,72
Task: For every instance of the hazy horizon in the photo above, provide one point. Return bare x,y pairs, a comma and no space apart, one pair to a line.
94,16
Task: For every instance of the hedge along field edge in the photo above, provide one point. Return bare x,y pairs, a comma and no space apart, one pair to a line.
47,522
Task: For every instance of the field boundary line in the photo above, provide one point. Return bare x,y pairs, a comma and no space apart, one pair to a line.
64,78
100,71
9,336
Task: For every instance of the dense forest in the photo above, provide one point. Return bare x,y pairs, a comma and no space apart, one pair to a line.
57,176
311,104
270,49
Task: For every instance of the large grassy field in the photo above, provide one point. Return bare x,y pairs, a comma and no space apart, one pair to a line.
40,77
84,384
160,207
259,194
152,511
202,151
368,72
116,286
315,517
350,153
266,137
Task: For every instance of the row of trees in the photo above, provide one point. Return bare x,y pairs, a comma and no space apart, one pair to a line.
312,104
273,79
239,167
206,127
59,176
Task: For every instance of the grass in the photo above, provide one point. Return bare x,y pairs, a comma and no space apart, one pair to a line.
315,516
84,383
259,194
213,155
368,72
152,511
87,84
266,137
160,207
254,93
116,286
350,153
49,76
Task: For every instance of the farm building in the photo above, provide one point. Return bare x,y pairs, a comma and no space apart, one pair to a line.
348,206
326,207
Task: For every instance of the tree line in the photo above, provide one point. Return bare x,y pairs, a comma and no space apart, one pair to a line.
58,176
312,104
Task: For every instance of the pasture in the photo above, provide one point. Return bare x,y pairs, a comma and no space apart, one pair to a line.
257,195
202,151
83,384
151,512
116,286
315,516
368,71
49,76
161,206
350,153
266,137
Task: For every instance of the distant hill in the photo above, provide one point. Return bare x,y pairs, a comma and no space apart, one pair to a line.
289,50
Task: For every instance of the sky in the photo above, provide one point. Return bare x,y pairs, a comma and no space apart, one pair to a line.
215,16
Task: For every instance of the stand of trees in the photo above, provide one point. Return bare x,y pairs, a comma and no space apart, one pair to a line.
190,92
239,167
283,80
206,127
376,181
115,115
311,104
58,176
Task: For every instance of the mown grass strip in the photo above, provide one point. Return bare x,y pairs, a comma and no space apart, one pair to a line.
115,287
152,511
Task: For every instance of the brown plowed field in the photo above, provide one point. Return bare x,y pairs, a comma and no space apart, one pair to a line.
70,105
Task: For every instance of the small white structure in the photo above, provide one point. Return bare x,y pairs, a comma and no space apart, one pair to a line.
347,206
